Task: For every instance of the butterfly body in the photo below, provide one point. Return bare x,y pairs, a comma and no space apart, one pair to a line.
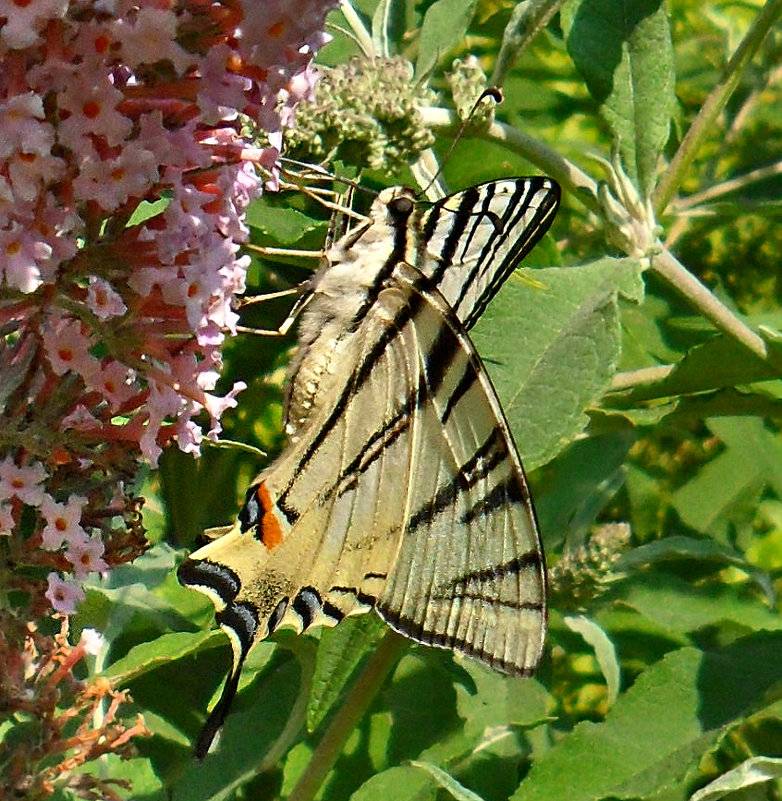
401,488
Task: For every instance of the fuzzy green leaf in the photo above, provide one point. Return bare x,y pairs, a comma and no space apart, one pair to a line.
150,655
340,651
444,26
681,606
401,784
732,479
657,729
623,49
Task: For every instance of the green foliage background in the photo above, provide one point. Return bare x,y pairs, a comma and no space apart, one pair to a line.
632,402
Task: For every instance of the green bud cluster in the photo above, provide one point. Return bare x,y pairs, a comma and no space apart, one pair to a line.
366,113
585,572
467,82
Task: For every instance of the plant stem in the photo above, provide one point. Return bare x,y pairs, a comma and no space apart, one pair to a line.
572,179
363,37
731,185
352,709
646,376
713,105
674,273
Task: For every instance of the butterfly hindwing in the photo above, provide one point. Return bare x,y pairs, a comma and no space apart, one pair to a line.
469,574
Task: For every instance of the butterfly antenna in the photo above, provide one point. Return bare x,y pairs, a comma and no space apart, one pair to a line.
492,92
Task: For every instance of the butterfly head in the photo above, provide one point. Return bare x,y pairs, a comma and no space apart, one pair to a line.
394,205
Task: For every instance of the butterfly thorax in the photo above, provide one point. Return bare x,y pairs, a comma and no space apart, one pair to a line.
354,272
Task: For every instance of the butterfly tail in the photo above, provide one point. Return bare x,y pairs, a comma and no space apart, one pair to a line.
238,619
217,717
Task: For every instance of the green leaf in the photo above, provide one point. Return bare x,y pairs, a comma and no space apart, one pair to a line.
551,352
150,655
734,478
284,225
660,726
605,652
572,489
401,784
340,651
719,363
146,210
623,49
444,26
679,547
756,770
447,782
681,606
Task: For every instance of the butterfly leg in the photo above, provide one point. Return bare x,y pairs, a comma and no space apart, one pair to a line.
305,296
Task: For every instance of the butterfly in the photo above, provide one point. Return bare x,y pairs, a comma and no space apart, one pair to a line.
400,489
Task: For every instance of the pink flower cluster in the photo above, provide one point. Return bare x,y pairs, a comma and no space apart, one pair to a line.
125,172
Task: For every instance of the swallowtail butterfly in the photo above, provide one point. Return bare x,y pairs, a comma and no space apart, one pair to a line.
400,489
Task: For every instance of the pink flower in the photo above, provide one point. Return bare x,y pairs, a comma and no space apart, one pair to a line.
29,172
86,557
91,100
63,595
80,419
21,126
68,348
115,382
151,37
215,406
25,20
7,522
21,252
111,182
62,522
22,482
103,300
222,93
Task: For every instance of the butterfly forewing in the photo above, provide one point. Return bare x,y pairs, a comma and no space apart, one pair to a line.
470,242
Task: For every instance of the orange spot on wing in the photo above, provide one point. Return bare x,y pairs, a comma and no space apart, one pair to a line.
271,531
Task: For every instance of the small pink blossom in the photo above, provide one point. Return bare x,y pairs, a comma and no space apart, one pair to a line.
215,406
103,301
30,171
22,482
111,182
62,522
21,252
86,556
151,37
68,348
22,128
222,93
63,595
7,522
91,102
115,382
81,419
